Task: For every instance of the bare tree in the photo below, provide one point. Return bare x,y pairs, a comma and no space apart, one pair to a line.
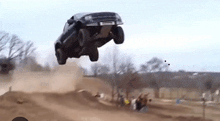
129,79
126,66
4,38
155,65
120,66
95,69
27,51
112,58
115,60
144,68
129,82
104,69
15,48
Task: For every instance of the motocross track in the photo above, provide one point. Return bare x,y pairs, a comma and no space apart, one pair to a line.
55,96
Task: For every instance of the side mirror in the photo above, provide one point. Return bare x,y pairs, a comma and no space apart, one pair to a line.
70,21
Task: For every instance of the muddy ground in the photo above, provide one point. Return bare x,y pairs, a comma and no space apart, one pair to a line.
55,97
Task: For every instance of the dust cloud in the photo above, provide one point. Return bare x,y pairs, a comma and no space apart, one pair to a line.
60,80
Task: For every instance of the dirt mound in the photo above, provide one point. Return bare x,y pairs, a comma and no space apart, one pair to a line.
88,96
13,98
81,98
14,104
191,118
73,99
19,103
75,105
94,85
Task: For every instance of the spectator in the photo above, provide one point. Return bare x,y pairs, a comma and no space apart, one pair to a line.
102,95
139,103
126,101
144,107
145,99
122,101
133,103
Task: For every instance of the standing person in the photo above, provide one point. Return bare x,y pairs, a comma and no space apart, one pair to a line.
139,103
133,103
121,100
126,101
146,99
102,95
145,106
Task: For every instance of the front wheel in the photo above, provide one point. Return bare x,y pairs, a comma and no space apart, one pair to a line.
61,57
119,35
94,54
83,37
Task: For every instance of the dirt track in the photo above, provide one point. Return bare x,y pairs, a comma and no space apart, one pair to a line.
53,99
75,106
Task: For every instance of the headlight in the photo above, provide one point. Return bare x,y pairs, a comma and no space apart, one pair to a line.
88,18
92,24
117,16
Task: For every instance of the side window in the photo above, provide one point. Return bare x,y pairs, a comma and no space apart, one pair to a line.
72,17
65,27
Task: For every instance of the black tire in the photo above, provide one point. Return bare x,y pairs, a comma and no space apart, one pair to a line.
19,119
119,35
61,56
83,37
94,54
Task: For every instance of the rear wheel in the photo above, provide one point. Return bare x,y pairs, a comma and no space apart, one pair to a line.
83,37
61,56
94,54
119,35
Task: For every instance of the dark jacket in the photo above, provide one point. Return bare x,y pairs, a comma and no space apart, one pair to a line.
138,104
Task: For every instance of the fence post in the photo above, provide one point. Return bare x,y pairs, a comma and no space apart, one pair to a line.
10,88
203,99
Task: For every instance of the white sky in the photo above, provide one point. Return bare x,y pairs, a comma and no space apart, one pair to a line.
184,32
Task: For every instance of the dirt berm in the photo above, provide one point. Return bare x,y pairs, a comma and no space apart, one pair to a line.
71,106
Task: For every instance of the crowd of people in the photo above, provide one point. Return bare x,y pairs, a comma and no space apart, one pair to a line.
137,104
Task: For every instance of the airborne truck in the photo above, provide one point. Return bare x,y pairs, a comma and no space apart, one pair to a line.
84,33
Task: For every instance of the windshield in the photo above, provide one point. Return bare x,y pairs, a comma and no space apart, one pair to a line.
79,15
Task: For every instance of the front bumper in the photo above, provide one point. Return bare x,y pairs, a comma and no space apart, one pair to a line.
111,23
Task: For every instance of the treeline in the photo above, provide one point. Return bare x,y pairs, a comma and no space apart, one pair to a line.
17,53
120,73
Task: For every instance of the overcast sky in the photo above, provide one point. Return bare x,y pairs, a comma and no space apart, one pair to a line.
183,32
